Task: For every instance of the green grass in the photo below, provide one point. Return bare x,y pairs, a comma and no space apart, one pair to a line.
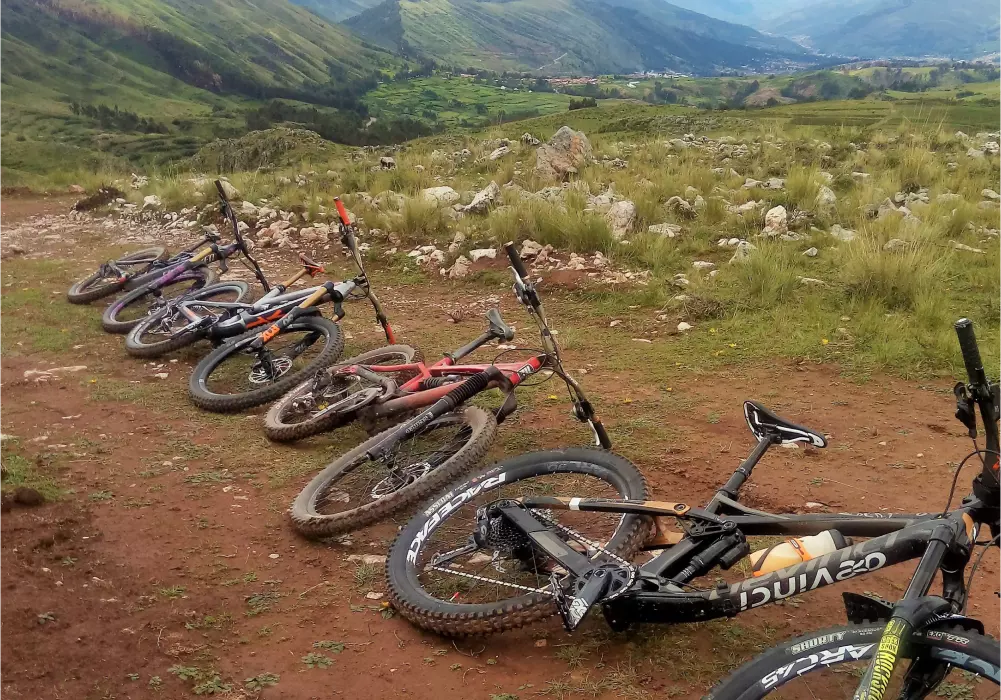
20,471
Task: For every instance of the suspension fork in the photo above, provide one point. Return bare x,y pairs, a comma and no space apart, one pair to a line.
913,611
459,395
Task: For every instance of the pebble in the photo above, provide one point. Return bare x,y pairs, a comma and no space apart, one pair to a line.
274,556
684,326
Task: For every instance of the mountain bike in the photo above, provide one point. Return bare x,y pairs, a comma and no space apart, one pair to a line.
130,271
407,461
261,363
555,532
180,281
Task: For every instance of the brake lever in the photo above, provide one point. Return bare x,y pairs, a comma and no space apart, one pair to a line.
965,411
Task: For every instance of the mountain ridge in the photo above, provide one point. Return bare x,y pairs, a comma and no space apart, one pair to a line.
586,36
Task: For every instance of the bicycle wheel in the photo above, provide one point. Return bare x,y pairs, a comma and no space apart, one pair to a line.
325,401
233,378
127,311
105,281
168,329
491,590
354,490
829,664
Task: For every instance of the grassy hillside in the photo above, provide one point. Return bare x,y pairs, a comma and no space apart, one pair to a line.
337,10
152,80
566,36
889,28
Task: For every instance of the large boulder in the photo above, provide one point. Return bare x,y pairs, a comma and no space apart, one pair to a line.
483,200
826,199
620,217
566,151
776,222
442,196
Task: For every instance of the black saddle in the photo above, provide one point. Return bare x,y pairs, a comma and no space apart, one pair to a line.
498,328
763,423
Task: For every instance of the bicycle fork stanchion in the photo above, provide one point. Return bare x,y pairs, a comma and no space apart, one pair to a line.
913,611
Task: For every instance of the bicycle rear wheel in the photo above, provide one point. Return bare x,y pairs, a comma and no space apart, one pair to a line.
233,378
355,490
496,589
123,314
829,664
325,401
169,329
105,281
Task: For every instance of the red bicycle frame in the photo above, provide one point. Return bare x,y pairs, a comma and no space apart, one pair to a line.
414,397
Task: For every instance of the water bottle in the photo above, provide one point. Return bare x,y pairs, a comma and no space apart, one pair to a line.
796,551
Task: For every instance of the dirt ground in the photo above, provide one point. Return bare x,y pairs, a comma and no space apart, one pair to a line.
167,567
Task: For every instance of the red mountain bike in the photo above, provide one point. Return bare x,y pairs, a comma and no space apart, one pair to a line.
404,463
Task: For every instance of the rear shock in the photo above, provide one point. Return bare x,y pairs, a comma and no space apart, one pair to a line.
434,382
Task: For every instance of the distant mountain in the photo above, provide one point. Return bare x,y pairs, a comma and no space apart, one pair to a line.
337,10
128,51
588,36
895,28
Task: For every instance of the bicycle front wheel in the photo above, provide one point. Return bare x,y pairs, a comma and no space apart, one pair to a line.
123,314
507,585
105,281
327,401
356,490
233,377
830,663
169,329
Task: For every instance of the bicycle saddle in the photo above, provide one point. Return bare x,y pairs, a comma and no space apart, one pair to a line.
763,422
313,268
498,328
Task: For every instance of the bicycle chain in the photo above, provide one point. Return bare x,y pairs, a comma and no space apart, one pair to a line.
547,591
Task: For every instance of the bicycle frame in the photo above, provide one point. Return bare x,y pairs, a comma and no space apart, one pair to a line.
414,397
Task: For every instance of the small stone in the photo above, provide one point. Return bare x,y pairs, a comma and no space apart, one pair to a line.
374,595
962,246
274,556
684,326
813,504
482,253
703,265
530,249
615,323
790,445
776,221
667,230
845,235
387,163
161,375
370,559
897,245
810,252
540,643
811,282
499,152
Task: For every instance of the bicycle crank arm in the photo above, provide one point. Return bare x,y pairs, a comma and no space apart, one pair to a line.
606,505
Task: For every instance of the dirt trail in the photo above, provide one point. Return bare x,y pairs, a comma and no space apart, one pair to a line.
169,557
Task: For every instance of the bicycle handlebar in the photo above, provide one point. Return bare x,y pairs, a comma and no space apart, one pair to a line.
971,352
986,484
516,262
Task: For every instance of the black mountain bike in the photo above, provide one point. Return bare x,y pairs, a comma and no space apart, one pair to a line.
274,343
130,271
554,533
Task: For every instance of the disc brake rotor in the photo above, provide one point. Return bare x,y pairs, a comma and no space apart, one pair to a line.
400,478
262,373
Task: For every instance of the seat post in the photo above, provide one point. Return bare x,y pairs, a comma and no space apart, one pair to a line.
743,472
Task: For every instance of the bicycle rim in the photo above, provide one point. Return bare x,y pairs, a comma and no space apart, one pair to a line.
286,354
411,460
173,322
152,303
509,567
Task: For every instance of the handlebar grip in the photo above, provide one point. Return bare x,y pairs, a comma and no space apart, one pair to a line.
341,211
516,262
971,353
